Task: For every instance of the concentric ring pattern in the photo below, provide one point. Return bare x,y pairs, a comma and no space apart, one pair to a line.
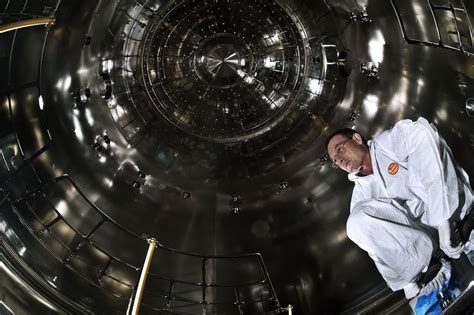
224,70
244,85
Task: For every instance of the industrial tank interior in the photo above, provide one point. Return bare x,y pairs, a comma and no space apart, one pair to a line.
200,126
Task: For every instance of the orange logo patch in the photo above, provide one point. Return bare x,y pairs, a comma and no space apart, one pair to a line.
393,168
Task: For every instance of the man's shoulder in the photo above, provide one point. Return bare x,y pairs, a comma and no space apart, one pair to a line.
391,141
397,128
395,142
401,128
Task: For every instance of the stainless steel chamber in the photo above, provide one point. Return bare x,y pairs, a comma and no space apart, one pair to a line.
201,123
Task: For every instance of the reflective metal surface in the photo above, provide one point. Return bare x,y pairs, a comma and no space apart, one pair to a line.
202,124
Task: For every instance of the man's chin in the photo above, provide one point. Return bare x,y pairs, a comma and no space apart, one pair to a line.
355,171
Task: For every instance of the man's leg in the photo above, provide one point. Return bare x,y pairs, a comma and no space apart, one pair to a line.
401,248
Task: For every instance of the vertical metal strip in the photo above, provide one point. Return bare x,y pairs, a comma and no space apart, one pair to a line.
453,11
432,9
204,276
238,302
469,24
141,284
269,281
170,294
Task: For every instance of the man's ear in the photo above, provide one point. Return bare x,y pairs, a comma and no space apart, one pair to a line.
357,138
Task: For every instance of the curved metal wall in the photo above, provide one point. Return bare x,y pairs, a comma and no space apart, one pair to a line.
201,123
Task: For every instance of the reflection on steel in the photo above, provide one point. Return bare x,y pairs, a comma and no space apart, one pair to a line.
353,116
470,107
22,155
361,16
72,255
370,69
143,276
444,298
239,88
106,93
4,309
459,14
116,126
217,63
26,23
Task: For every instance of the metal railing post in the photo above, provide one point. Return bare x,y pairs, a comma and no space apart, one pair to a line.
143,276
26,23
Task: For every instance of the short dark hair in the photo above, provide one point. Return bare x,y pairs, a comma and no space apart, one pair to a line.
346,132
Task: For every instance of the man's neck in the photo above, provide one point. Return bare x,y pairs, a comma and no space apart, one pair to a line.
366,165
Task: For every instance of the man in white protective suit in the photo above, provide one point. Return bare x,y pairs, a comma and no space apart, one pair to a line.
408,194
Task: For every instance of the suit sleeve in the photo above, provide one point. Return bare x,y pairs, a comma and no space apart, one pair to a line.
432,173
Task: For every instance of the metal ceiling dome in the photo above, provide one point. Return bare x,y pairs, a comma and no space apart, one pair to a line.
201,123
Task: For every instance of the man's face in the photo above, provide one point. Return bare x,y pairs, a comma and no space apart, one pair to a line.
349,154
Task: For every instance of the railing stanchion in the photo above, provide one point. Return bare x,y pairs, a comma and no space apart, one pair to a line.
26,23
143,276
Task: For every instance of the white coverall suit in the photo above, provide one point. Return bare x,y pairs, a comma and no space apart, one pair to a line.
414,186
